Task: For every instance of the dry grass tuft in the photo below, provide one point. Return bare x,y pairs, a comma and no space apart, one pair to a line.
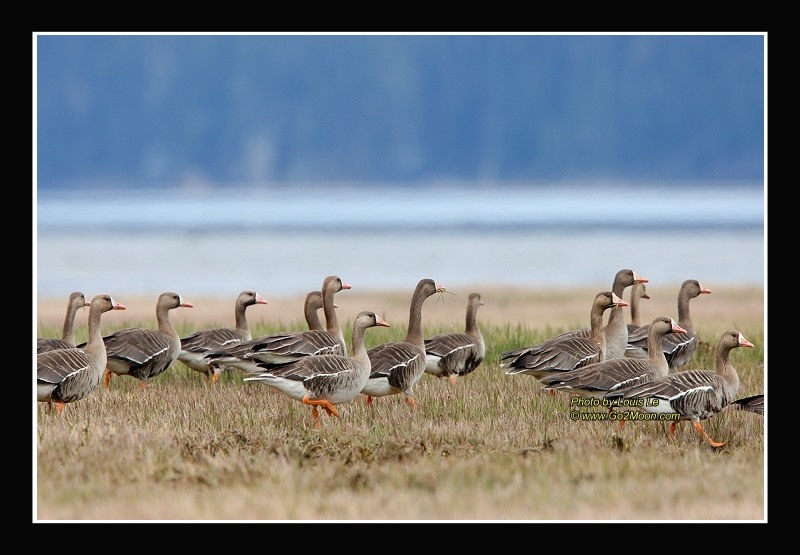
490,447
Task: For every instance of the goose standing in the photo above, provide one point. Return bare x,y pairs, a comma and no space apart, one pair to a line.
693,395
76,301
69,375
566,352
600,378
678,348
457,354
195,346
145,353
398,365
326,380
270,351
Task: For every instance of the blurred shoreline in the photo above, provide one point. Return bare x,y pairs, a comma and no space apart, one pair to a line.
388,238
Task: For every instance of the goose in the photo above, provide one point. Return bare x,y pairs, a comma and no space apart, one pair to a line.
598,379
457,354
195,346
638,292
145,353
76,301
565,352
326,380
616,330
678,348
398,365
257,355
230,359
693,395
753,403
69,375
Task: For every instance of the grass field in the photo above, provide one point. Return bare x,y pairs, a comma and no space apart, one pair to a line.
490,447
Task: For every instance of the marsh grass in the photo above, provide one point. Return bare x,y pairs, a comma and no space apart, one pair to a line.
490,447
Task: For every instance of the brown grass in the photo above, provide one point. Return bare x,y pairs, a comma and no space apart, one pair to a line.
492,447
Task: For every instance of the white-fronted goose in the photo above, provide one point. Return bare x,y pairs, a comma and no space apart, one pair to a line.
565,352
144,353
695,395
616,330
195,346
754,403
398,365
678,348
457,354
600,378
225,358
76,301
638,292
326,380
69,375
269,351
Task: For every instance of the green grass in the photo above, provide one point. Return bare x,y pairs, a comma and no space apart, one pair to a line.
492,447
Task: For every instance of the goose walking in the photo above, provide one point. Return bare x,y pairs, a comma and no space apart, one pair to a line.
67,340
144,353
600,378
194,347
457,354
270,351
326,380
566,352
69,375
616,330
398,365
693,395
678,348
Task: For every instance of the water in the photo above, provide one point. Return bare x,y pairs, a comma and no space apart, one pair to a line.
283,242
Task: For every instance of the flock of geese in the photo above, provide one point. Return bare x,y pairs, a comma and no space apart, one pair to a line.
614,362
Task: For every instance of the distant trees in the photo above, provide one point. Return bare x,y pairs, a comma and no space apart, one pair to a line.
239,109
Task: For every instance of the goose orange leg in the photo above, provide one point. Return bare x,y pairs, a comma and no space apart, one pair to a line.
453,379
108,379
325,404
703,433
